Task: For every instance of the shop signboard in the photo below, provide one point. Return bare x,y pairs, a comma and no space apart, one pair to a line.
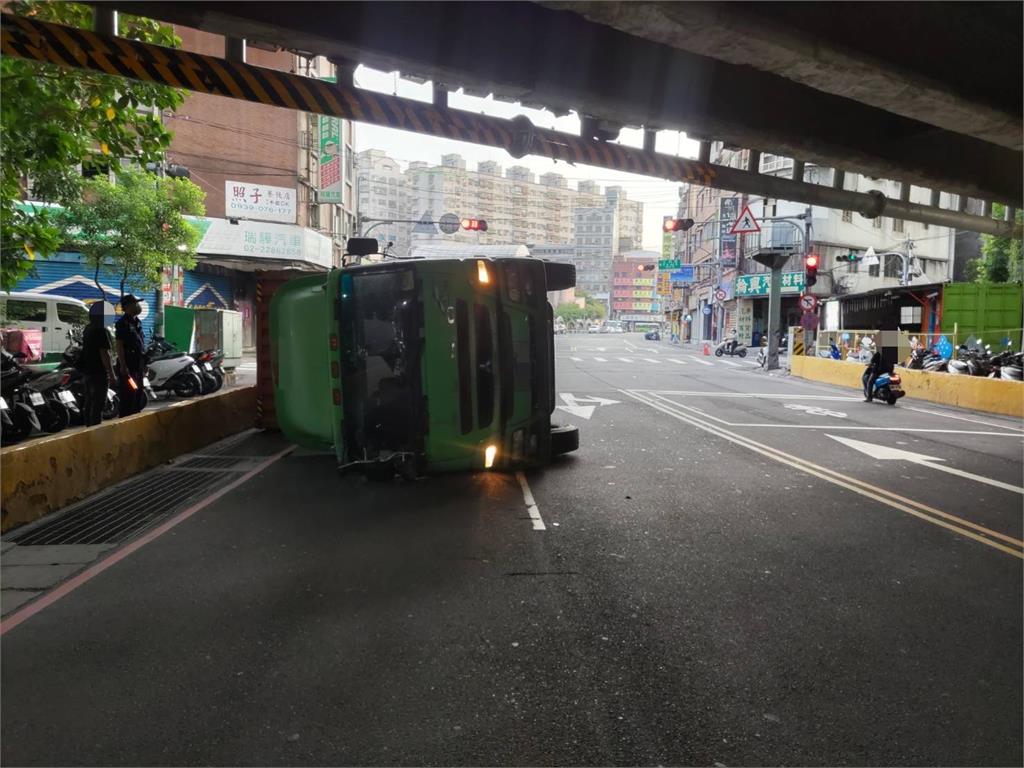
758,285
246,200
331,155
728,210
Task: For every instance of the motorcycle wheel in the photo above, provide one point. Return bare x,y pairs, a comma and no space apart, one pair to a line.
718,353
111,408
220,379
54,418
188,386
16,431
742,353
207,383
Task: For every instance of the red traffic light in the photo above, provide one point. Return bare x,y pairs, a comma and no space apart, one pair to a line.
474,225
677,225
810,270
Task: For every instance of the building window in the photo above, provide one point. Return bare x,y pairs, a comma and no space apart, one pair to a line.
877,222
897,225
893,265
848,216
873,270
910,315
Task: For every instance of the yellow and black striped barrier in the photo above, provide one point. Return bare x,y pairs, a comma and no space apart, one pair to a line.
81,49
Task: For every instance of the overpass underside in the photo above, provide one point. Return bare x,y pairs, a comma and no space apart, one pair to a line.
926,94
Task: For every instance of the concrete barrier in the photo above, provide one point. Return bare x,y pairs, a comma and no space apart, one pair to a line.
973,392
43,475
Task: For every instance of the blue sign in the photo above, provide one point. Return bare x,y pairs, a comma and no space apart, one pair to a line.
682,275
707,309
945,348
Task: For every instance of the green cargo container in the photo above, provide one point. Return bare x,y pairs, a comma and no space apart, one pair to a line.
989,311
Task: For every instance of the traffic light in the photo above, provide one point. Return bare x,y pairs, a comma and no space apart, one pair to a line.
474,225
645,267
677,225
810,270
850,258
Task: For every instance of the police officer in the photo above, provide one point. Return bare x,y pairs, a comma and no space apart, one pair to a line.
95,366
131,361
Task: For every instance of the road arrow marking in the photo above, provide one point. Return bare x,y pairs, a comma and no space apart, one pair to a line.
583,407
814,410
885,453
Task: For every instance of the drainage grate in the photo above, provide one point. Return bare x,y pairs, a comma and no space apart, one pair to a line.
121,512
210,462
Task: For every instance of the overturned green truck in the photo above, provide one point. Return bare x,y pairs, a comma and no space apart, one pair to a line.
421,365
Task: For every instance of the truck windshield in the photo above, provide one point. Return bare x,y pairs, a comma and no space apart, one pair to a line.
379,321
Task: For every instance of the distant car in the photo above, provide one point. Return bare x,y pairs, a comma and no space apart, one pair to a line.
653,336
617,329
595,328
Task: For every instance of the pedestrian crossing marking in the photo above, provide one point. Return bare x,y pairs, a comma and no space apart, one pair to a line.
600,360
698,360
730,362
652,360
626,359
676,360
576,359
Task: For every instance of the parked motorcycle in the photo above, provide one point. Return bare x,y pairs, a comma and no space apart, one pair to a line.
172,371
29,392
211,361
726,348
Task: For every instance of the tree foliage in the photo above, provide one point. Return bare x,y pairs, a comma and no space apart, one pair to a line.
135,226
592,310
54,120
1000,260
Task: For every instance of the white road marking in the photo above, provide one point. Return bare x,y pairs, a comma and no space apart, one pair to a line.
600,360
661,396
652,360
885,453
576,359
917,509
698,360
959,418
676,360
814,410
531,504
695,393
626,359
730,362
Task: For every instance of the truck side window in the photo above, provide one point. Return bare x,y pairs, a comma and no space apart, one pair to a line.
484,366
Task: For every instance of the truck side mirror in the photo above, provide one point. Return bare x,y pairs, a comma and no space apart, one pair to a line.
361,246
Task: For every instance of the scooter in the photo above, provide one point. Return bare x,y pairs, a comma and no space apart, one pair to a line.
726,348
30,408
172,371
886,387
211,361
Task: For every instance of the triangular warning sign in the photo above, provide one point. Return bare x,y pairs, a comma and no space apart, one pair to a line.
745,223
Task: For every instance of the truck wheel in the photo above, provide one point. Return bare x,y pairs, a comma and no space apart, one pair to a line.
559,276
564,440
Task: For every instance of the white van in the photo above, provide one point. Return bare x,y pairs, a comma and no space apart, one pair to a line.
53,315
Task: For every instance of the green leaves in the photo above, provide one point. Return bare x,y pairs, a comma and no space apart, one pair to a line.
1000,260
54,121
137,226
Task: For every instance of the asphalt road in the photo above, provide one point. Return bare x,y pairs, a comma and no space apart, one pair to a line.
713,578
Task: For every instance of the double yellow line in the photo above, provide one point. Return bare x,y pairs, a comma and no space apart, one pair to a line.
958,525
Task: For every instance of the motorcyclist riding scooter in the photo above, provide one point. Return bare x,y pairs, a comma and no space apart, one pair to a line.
871,372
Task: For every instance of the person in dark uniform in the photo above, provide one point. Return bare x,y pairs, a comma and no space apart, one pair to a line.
872,372
131,361
95,366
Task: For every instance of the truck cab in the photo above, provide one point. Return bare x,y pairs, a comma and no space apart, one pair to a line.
421,365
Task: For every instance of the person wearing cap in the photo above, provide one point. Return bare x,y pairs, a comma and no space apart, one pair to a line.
95,366
131,358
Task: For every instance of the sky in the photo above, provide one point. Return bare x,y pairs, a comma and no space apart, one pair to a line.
660,198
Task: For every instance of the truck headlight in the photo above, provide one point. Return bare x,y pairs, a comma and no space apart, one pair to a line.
490,454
